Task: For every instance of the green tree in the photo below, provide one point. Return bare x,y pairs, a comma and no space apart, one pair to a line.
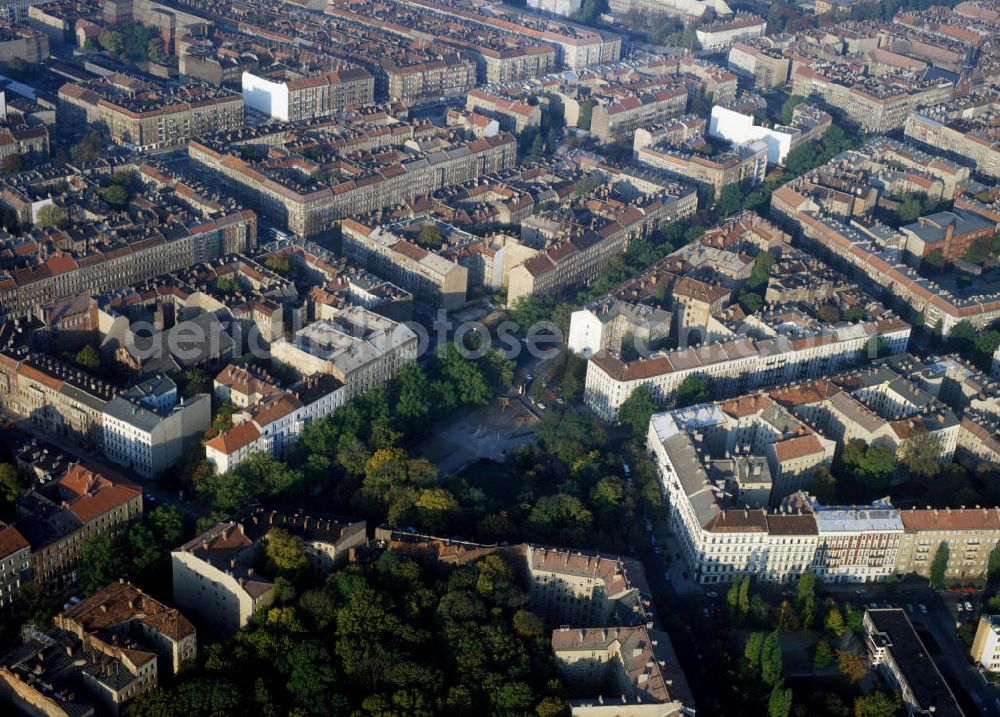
223,420
430,236
465,376
115,195
192,381
560,519
586,113
279,263
771,667
761,272
823,656
805,588
750,302
752,650
88,358
141,547
879,703
51,216
823,486
414,392
779,704
537,146
993,567
167,523
87,148
111,40
12,163
435,508
788,108
692,391
939,565
909,210
155,50
553,707
834,622
10,485
636,410
285,552
853,665
921,453
101,562
730,200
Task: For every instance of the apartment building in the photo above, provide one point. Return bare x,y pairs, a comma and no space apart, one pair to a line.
24,43
693,9
720,34
123,610
141,116
604,325
808,124
767,66
968,534
360,348
214,575
585,588
293,96
744,165
12,11
310,208
580,258
500,55
966,142
857,544
899,654
637,665
879,267
431,278
273,423
512,114
620,118
104,267
952,234
737,365
59,398
59,516
718,543
986,644
147,429
449,75
98,657
870,104
15,564
556,7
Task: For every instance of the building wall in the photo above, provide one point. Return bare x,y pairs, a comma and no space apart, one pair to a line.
216,596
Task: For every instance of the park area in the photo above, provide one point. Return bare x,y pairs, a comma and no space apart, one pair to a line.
488,432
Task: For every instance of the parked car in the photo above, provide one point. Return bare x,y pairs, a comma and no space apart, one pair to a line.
658,550
923,608
666,575
860,591
958,606
968,606
712,594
